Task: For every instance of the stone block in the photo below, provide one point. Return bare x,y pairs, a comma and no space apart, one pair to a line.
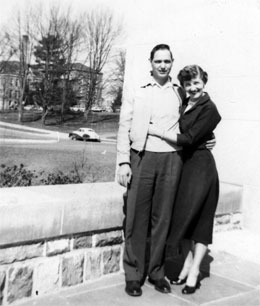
19,253
20,281
56,247
2,286
108,239
111,259
72,270
82,242
38,217
93,264
46,276
91,207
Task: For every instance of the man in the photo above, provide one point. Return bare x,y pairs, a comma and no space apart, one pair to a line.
150,168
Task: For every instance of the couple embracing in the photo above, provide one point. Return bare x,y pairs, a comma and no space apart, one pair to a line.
164,141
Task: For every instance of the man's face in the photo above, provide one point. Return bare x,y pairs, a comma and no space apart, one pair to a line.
161,66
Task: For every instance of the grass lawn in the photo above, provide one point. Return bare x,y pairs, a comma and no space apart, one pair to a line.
99,158
100,122
94,162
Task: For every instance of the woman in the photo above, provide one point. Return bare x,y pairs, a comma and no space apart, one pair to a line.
198,192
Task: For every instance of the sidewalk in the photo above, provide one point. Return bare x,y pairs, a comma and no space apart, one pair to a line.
230,277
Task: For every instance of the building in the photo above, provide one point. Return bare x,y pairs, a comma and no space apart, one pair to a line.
9,85
80,78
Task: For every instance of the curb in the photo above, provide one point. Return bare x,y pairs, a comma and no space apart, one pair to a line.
15,141
57,134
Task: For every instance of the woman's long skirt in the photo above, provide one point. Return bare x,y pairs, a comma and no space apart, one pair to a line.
196,199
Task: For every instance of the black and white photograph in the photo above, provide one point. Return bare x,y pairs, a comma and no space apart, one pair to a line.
129,153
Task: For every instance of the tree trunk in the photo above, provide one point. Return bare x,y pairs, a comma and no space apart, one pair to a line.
20,111
45,113
86,114
63,101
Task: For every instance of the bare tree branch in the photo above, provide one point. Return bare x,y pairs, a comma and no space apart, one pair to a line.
100,34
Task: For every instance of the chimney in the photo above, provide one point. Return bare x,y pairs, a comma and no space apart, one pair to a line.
25,42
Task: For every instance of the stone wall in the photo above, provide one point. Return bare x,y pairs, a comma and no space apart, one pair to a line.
58,236
45,266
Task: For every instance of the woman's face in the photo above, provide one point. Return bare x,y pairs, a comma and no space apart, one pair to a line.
194,88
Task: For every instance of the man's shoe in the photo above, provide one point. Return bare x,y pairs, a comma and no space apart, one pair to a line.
133,288
160,284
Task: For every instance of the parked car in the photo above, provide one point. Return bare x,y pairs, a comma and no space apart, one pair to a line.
96,109
33,108
85,134
77,108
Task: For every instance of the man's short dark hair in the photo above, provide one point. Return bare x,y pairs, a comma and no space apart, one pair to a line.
160,47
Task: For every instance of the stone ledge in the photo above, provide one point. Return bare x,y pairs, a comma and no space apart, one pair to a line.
230,198
42,212
53,211
228,222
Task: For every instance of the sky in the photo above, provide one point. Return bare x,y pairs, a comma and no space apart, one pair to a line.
147,20
9,8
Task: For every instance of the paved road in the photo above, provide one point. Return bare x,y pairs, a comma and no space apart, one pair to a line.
16,134
41,151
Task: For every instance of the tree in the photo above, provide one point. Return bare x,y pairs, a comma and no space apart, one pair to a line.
50,62
57,51
25,51
118,99
7,50
116,79
19,42
89,37
100,34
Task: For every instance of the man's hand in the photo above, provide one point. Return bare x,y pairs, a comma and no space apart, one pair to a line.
210,144
154,130
124,175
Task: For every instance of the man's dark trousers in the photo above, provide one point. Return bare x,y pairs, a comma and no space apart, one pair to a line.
150,199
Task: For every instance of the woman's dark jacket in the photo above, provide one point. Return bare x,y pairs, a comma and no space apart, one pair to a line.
198,191
197,124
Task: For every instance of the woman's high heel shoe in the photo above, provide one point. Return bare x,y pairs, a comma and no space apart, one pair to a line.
178,281
191,289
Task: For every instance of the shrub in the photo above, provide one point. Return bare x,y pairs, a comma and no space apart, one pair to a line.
18,176
59,178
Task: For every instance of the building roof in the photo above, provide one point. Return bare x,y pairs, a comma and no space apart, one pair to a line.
12,67
81,67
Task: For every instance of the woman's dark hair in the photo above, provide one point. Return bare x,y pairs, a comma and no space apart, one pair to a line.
160,47
191,72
